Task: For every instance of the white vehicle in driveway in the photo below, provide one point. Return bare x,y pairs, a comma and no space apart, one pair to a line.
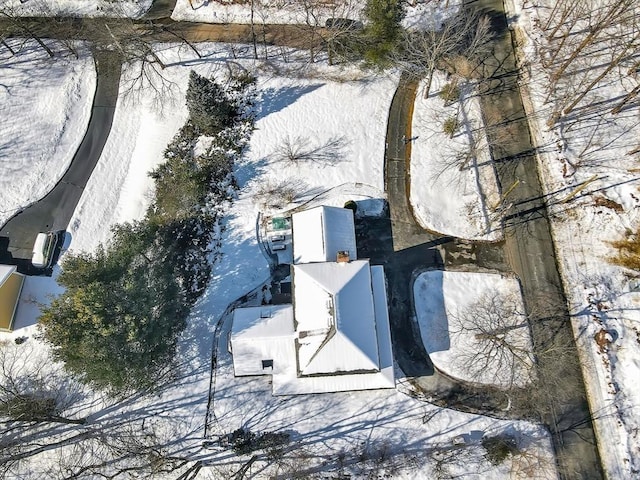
44,249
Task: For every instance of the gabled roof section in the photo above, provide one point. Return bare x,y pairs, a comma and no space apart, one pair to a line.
321,232
262,322
335,318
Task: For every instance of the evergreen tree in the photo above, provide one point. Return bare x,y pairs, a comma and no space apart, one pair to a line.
382,33
117,322
209,108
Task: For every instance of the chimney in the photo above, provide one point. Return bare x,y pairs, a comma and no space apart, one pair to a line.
343,256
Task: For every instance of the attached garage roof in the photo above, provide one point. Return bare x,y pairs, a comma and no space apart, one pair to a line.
321,232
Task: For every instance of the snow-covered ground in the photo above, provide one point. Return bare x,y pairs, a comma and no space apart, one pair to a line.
323,106
46,105
587,152
473,326
336,428
459,165
75,8
302,12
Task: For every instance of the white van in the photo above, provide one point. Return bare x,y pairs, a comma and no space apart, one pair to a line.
44,249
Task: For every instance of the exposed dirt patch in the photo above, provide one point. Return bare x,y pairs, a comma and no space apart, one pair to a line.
607,202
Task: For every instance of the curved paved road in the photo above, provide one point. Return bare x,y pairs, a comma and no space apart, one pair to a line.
412,250
54,211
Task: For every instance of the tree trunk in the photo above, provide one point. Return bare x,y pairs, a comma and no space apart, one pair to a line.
8,47
427,85
58,419
611,66
630,96
184,39
40,42
156,58
253,32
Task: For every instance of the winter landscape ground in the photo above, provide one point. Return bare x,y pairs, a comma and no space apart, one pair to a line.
589,177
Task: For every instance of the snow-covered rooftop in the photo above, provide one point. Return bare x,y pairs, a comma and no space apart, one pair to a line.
263,321
259,335
320,233
5,272
335,350
335,317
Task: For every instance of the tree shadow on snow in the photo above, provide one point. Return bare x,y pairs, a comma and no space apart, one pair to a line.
275,99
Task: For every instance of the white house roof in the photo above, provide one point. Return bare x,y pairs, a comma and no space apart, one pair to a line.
335,317
262,322
262,339
321,232
5,272
287,382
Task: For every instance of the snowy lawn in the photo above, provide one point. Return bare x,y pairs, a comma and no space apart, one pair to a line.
319,139
589,149
369,434
387,424
473,326
76,8
46,105
453,186
335,121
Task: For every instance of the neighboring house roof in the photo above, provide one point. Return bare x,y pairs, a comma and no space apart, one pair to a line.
321,232
5,272
335,318
10,287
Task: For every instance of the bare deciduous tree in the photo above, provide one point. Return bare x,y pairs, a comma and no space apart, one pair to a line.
466,36
32,390
500,350
276,194
606,17
300,150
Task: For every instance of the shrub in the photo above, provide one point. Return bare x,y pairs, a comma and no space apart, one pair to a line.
628,254
450,93
29,407
499,448
244,441
450,126
351,205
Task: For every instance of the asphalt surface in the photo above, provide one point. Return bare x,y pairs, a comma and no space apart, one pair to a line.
160,9
530,253
54,211
405,249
